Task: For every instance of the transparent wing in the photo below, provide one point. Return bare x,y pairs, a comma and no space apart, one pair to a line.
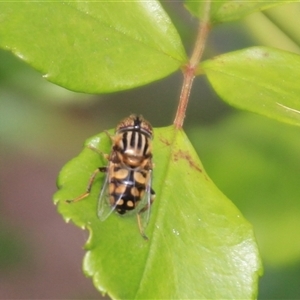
144,208
104,206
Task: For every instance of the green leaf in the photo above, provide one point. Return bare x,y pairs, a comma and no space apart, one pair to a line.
200,246
230,10
263,158
258,79
93,46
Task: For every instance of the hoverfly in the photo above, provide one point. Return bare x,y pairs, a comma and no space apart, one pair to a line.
127,186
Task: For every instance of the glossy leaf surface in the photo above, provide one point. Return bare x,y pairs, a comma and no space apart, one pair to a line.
259,79
230,10
196,235
90,46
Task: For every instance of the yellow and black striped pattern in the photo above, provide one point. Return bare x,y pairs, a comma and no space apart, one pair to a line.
130,167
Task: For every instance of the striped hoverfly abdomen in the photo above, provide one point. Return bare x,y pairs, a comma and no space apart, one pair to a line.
128,183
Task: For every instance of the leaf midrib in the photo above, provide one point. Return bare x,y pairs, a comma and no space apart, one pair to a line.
160,213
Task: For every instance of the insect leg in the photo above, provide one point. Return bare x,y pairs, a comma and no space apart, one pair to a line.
145,208
90,183
111,137
141,227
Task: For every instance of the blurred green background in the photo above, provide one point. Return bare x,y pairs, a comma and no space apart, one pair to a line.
253,160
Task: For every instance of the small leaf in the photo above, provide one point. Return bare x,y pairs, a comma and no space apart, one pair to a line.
90,46
200,246
230,10
258,79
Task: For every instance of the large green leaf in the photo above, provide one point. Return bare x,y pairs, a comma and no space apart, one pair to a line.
258,79
93,46
200,246
229,10
262,157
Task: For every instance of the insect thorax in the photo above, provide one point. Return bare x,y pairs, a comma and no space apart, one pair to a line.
133,149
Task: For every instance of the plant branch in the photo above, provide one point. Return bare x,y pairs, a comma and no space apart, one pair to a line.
191,67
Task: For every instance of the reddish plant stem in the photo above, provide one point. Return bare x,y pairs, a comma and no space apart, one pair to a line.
190,69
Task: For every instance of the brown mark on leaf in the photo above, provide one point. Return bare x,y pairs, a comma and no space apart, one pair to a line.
266,54
165,141
186,156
